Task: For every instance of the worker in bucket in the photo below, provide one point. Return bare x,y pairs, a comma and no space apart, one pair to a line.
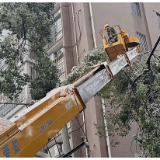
111,34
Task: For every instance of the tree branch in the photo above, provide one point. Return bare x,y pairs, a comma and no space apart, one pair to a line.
148,61
24,29
149,58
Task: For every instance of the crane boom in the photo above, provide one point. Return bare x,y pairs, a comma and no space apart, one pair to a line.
31,129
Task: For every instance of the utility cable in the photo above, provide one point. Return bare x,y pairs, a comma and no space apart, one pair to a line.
83,132
73,130
80,125
27,104
77,129
59,135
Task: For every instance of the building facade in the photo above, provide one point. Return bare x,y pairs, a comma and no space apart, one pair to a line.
75,31
81,23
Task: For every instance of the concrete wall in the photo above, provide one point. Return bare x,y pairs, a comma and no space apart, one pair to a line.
152,21
118,14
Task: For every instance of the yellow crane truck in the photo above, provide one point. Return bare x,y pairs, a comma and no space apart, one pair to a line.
31,129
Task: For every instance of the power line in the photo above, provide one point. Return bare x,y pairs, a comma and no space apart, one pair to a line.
81,127
85,135
19,103
90,151
77,129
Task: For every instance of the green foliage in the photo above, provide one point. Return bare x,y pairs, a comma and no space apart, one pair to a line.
45,79
137,101
30,29
91,58
133,96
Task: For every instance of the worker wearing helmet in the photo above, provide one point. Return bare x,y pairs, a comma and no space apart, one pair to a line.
111,34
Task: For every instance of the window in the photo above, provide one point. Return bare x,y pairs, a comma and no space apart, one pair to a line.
52,56
22,96
56,29
135,8
59,62
158,15
33,73
143,42
32,54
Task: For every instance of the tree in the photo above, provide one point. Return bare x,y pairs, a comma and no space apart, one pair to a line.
134,96
29,26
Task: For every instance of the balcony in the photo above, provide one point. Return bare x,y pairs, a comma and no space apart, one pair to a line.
56,34
57,37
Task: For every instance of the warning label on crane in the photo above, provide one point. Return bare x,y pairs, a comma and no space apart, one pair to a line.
68,105
45,125
89,89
